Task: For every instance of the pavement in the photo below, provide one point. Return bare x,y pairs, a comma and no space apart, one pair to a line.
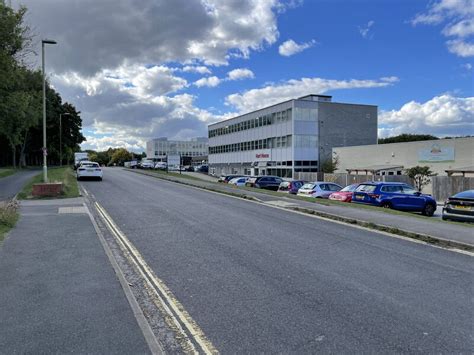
59,292
12,184
258,279
409,222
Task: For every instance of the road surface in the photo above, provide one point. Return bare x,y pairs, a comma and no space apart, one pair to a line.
260,279
12,184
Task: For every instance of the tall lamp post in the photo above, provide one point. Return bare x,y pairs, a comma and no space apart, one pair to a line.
45,167
61,137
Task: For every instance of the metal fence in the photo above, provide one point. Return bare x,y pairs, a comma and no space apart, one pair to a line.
445,186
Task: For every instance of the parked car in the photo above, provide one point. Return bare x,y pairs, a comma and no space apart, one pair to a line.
201,169
227,178
345,195
318,189
265,182
239,181
89,170
146,164
290,187
399,196
460,207
161,165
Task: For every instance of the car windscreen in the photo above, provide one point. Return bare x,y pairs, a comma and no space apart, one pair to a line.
366,188
350,188
308,186
465,194
90,165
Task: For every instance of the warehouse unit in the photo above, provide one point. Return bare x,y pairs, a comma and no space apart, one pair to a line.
293,136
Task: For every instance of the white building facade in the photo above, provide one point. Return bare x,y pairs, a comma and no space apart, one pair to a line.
292,136
158,149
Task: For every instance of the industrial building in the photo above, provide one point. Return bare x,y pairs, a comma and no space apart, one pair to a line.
443,156
297,135
158,149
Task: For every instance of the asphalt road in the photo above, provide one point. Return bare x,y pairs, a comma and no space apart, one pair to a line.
259,279
12,184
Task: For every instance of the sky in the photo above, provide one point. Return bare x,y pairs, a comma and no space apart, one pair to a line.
142,69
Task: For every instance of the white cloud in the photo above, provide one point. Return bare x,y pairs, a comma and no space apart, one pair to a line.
118,32
442,115
211,81
290,47
196,69
458,16
239,74
271,94
364,30
467,66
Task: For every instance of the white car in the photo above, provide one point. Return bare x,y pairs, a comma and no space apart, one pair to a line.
161,165
89,170
239,181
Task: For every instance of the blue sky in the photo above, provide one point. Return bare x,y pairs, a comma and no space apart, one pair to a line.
179,65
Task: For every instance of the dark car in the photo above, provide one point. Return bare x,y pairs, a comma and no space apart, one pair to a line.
291,187
265,182
460,207
227,178
396,195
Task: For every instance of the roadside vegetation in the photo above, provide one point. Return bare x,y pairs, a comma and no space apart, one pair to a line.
65,175
8,217
4,172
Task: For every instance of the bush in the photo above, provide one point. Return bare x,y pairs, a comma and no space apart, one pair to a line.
8,213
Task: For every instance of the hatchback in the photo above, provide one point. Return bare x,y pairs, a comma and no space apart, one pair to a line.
345,195
265,182
394,195
460,207
318,189
290,187
239,181
89,170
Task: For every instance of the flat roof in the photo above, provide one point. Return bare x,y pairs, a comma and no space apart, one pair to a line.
376,168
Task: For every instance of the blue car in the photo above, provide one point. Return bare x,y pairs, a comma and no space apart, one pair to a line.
396,195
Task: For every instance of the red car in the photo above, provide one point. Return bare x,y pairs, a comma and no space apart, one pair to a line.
345,195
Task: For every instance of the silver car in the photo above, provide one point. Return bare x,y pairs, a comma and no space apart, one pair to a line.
318,189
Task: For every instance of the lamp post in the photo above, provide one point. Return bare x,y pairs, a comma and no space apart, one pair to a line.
45,167
61,137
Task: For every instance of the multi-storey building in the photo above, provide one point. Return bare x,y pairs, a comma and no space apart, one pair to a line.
158,149
293,136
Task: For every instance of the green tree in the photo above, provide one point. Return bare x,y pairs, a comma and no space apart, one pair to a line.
120,156
421,175
405,137
329,166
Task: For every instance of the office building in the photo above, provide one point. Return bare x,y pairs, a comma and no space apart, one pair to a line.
293,136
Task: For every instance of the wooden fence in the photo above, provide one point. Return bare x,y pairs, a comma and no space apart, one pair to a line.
445,186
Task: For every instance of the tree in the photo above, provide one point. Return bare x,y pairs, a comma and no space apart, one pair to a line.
120,156
405,137
330,166
420,175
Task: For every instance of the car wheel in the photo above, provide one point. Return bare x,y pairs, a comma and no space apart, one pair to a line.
428,210
100,179
78,178
386,205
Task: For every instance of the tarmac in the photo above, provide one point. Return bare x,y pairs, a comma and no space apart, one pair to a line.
59,292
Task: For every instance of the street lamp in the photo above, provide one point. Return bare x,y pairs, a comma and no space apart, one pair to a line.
61,137
45,167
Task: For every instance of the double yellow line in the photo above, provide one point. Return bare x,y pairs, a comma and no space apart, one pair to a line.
189,333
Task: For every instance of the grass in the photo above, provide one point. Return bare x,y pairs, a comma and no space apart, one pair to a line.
65,175
169,174
8,217
7,172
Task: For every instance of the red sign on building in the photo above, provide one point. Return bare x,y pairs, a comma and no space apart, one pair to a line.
262,155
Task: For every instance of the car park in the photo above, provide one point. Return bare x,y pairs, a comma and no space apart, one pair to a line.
265,182
399,196
290,187
345,195
239,181
89,170
459,207
318,189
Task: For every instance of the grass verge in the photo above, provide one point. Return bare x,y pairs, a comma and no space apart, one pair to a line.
4,172
8,217
65,175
